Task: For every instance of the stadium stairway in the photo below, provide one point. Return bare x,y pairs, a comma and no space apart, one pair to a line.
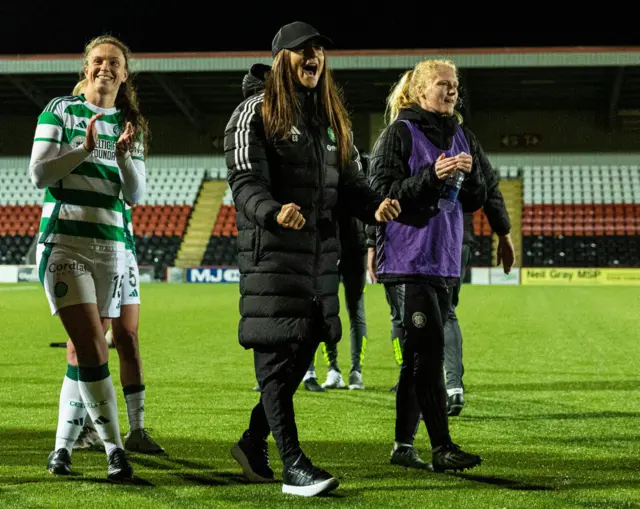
199,229
511,190
221,249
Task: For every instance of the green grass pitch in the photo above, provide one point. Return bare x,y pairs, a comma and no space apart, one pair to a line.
553,406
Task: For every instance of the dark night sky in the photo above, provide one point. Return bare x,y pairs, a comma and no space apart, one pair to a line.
66,28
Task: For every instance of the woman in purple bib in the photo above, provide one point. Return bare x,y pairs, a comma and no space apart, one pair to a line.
427,161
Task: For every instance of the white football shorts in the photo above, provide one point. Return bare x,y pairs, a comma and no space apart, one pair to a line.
131,284
73,276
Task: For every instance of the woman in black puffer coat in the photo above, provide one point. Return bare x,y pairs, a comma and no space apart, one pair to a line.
293,169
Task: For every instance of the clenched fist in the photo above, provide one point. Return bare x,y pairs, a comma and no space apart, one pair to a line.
388,210
290,217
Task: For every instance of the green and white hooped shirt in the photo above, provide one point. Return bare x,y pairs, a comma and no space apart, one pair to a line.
85,208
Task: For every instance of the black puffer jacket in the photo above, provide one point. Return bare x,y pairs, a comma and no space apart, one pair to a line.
289,279
353,236
353,240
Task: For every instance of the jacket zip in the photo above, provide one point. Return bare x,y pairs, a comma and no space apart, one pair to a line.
256,245
317,143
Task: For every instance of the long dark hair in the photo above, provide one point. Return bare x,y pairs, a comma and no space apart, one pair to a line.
127,98
281,104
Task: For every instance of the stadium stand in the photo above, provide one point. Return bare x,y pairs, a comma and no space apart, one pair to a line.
20,208
483,253
196,240
159,221
221,249
564,216
581,216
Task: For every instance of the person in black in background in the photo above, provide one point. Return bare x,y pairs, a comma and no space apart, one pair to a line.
394,294
293,169
353,272
496,212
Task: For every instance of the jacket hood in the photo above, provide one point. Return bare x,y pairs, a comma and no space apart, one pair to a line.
253,81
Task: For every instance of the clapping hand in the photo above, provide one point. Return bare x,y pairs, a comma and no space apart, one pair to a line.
125,142
91,137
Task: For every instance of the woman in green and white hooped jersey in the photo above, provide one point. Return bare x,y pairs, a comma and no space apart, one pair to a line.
124,335
88,153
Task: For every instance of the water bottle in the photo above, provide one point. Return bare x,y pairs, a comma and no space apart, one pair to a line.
450,190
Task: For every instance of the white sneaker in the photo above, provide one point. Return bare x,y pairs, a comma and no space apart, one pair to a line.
334,380
355,380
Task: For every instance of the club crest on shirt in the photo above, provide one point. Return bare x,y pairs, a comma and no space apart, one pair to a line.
76,141
60,289
419,320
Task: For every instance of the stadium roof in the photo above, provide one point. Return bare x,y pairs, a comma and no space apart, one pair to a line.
605,79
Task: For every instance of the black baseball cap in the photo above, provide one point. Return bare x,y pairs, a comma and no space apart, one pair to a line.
293,35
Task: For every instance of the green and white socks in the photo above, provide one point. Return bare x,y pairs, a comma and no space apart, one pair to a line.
134,398
71,411
99,397
90,390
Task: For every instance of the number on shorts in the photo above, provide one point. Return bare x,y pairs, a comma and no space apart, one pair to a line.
117,286
132,277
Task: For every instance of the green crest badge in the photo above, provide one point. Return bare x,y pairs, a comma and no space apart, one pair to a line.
76,141
117,130
60,289
332,136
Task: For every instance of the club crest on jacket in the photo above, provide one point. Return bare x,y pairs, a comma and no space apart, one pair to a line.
332,136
